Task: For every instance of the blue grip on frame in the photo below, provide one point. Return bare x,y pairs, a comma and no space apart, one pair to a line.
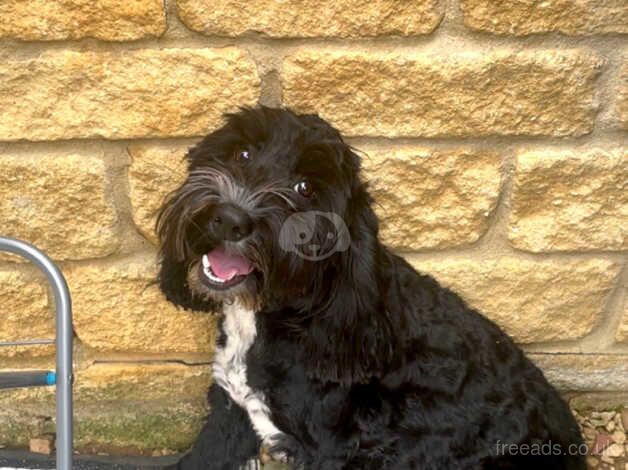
51,378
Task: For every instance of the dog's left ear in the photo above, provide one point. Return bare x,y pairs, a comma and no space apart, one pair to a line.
352,339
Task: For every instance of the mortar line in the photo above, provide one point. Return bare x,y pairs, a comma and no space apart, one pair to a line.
151,361
606,139
444,36
496,236
604,333
130,237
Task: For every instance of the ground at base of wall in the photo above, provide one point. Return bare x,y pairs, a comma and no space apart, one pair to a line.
16,460
606,436
603,421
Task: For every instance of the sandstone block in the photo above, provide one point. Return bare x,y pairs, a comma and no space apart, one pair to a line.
113,382
118,307
143,93
110,20
59,201
470,93
570,200
432,199
155,171
584,372
26,313
37,362
620,108
311,18
523,17
532,301
622,332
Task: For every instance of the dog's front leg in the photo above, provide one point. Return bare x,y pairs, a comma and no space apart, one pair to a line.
227,440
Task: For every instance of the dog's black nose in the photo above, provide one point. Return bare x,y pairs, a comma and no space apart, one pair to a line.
230,222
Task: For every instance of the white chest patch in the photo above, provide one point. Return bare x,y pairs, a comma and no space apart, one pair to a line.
229,368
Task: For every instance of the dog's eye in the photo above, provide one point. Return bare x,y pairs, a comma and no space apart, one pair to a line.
304,188
241,155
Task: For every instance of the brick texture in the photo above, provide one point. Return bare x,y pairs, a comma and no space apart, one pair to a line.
622,331
26,313
432,199
110,20
144,93
570,200
117,307
456,94
122,381
155,171
58,200
112,382
532,301
523,17
311,18
620,110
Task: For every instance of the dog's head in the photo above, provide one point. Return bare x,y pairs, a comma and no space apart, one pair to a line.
273,213
264,207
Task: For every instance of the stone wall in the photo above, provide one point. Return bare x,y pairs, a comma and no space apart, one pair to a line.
495,135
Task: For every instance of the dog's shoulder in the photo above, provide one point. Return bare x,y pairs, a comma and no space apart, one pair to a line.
454,353
455,339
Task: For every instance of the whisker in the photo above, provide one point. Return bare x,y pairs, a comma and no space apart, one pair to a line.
271,188
285,198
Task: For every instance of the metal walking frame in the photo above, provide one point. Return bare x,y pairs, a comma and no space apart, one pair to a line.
62,377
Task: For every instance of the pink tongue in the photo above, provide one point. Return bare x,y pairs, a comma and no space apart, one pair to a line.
226,266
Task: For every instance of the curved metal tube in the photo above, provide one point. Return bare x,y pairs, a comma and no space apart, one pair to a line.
63,308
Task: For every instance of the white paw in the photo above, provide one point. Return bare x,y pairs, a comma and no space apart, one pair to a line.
253,464
269,453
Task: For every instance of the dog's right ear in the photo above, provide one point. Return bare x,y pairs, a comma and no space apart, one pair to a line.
173,248
172,280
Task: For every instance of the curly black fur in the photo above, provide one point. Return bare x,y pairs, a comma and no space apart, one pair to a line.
364,363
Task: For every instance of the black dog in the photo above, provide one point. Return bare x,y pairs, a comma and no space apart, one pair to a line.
334,353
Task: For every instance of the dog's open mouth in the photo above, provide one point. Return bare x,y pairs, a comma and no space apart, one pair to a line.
222,270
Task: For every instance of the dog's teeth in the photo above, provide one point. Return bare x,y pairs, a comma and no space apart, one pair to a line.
212,277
